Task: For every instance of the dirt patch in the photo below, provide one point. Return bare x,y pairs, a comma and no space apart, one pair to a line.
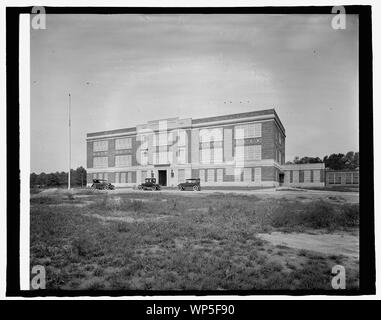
331,244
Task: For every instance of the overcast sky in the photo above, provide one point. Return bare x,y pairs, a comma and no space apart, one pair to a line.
124,70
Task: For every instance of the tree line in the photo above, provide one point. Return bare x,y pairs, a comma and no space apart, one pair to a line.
78,178
335,161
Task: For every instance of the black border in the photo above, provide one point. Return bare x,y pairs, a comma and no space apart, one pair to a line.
367,245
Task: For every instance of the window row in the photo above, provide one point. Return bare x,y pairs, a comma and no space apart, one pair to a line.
240,174
124,177
167,138
343,178
302,176
120,144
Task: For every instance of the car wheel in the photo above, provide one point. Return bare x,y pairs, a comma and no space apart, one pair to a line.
140,188
195,188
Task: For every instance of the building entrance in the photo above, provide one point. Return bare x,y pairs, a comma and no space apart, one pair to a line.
163,177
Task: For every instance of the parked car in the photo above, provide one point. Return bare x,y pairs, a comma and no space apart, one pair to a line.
102,185
149,184
190,184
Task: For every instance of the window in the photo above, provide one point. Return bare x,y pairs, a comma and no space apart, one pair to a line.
181,155
205,156
117,177
258,174
123,143
307,176
331,178
213,134
252,130
301,176
100,162
258,152
217,156
162,157
100,145
123,177
356,178
348,178
246,153
337,178
161,139
144,157
129,177
291,176
182,138
181,174
105,176
247,174
220,175
210,175
123,161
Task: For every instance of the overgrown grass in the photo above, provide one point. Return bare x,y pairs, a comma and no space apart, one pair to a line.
207,242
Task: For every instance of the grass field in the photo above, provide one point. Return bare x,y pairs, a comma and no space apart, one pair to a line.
163,241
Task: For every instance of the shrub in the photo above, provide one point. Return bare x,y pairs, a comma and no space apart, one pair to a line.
350,215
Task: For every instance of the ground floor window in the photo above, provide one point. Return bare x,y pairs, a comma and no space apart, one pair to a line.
220,175
210,175
258,174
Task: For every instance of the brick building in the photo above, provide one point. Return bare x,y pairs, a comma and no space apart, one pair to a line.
242,149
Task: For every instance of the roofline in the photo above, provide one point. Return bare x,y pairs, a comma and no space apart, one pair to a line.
198,122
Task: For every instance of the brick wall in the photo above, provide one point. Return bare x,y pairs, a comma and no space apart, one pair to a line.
268,136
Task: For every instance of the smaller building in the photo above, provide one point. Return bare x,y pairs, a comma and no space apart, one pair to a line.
302,175
342,178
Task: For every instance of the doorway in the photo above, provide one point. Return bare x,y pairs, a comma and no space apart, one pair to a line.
163,177
281,179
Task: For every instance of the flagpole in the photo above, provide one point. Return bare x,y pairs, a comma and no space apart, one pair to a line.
68,182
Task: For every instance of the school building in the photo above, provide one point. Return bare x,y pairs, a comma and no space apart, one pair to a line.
241,149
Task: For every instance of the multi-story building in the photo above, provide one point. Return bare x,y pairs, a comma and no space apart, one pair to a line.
242,149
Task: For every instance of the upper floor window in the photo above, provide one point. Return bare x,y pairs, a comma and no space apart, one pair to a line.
100,162
100,145
181,156
162,157
123,160
247,153
212,134
182,138
252,130
123,143
162,139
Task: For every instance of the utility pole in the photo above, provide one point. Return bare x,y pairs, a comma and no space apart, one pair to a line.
68,180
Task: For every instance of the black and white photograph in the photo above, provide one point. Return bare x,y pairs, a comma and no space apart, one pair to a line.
195,152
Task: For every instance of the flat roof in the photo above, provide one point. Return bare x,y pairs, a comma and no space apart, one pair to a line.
199,121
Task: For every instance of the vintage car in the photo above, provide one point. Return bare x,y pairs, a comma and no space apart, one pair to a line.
102,185
149,184
190,184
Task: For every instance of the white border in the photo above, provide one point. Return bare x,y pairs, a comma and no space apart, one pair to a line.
376,21
24,81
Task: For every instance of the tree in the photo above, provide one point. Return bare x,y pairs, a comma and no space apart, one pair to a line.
336,161
304,160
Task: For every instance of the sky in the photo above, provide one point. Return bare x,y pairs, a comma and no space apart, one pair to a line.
124,70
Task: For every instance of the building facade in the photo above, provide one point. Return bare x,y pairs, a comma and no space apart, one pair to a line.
242,149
